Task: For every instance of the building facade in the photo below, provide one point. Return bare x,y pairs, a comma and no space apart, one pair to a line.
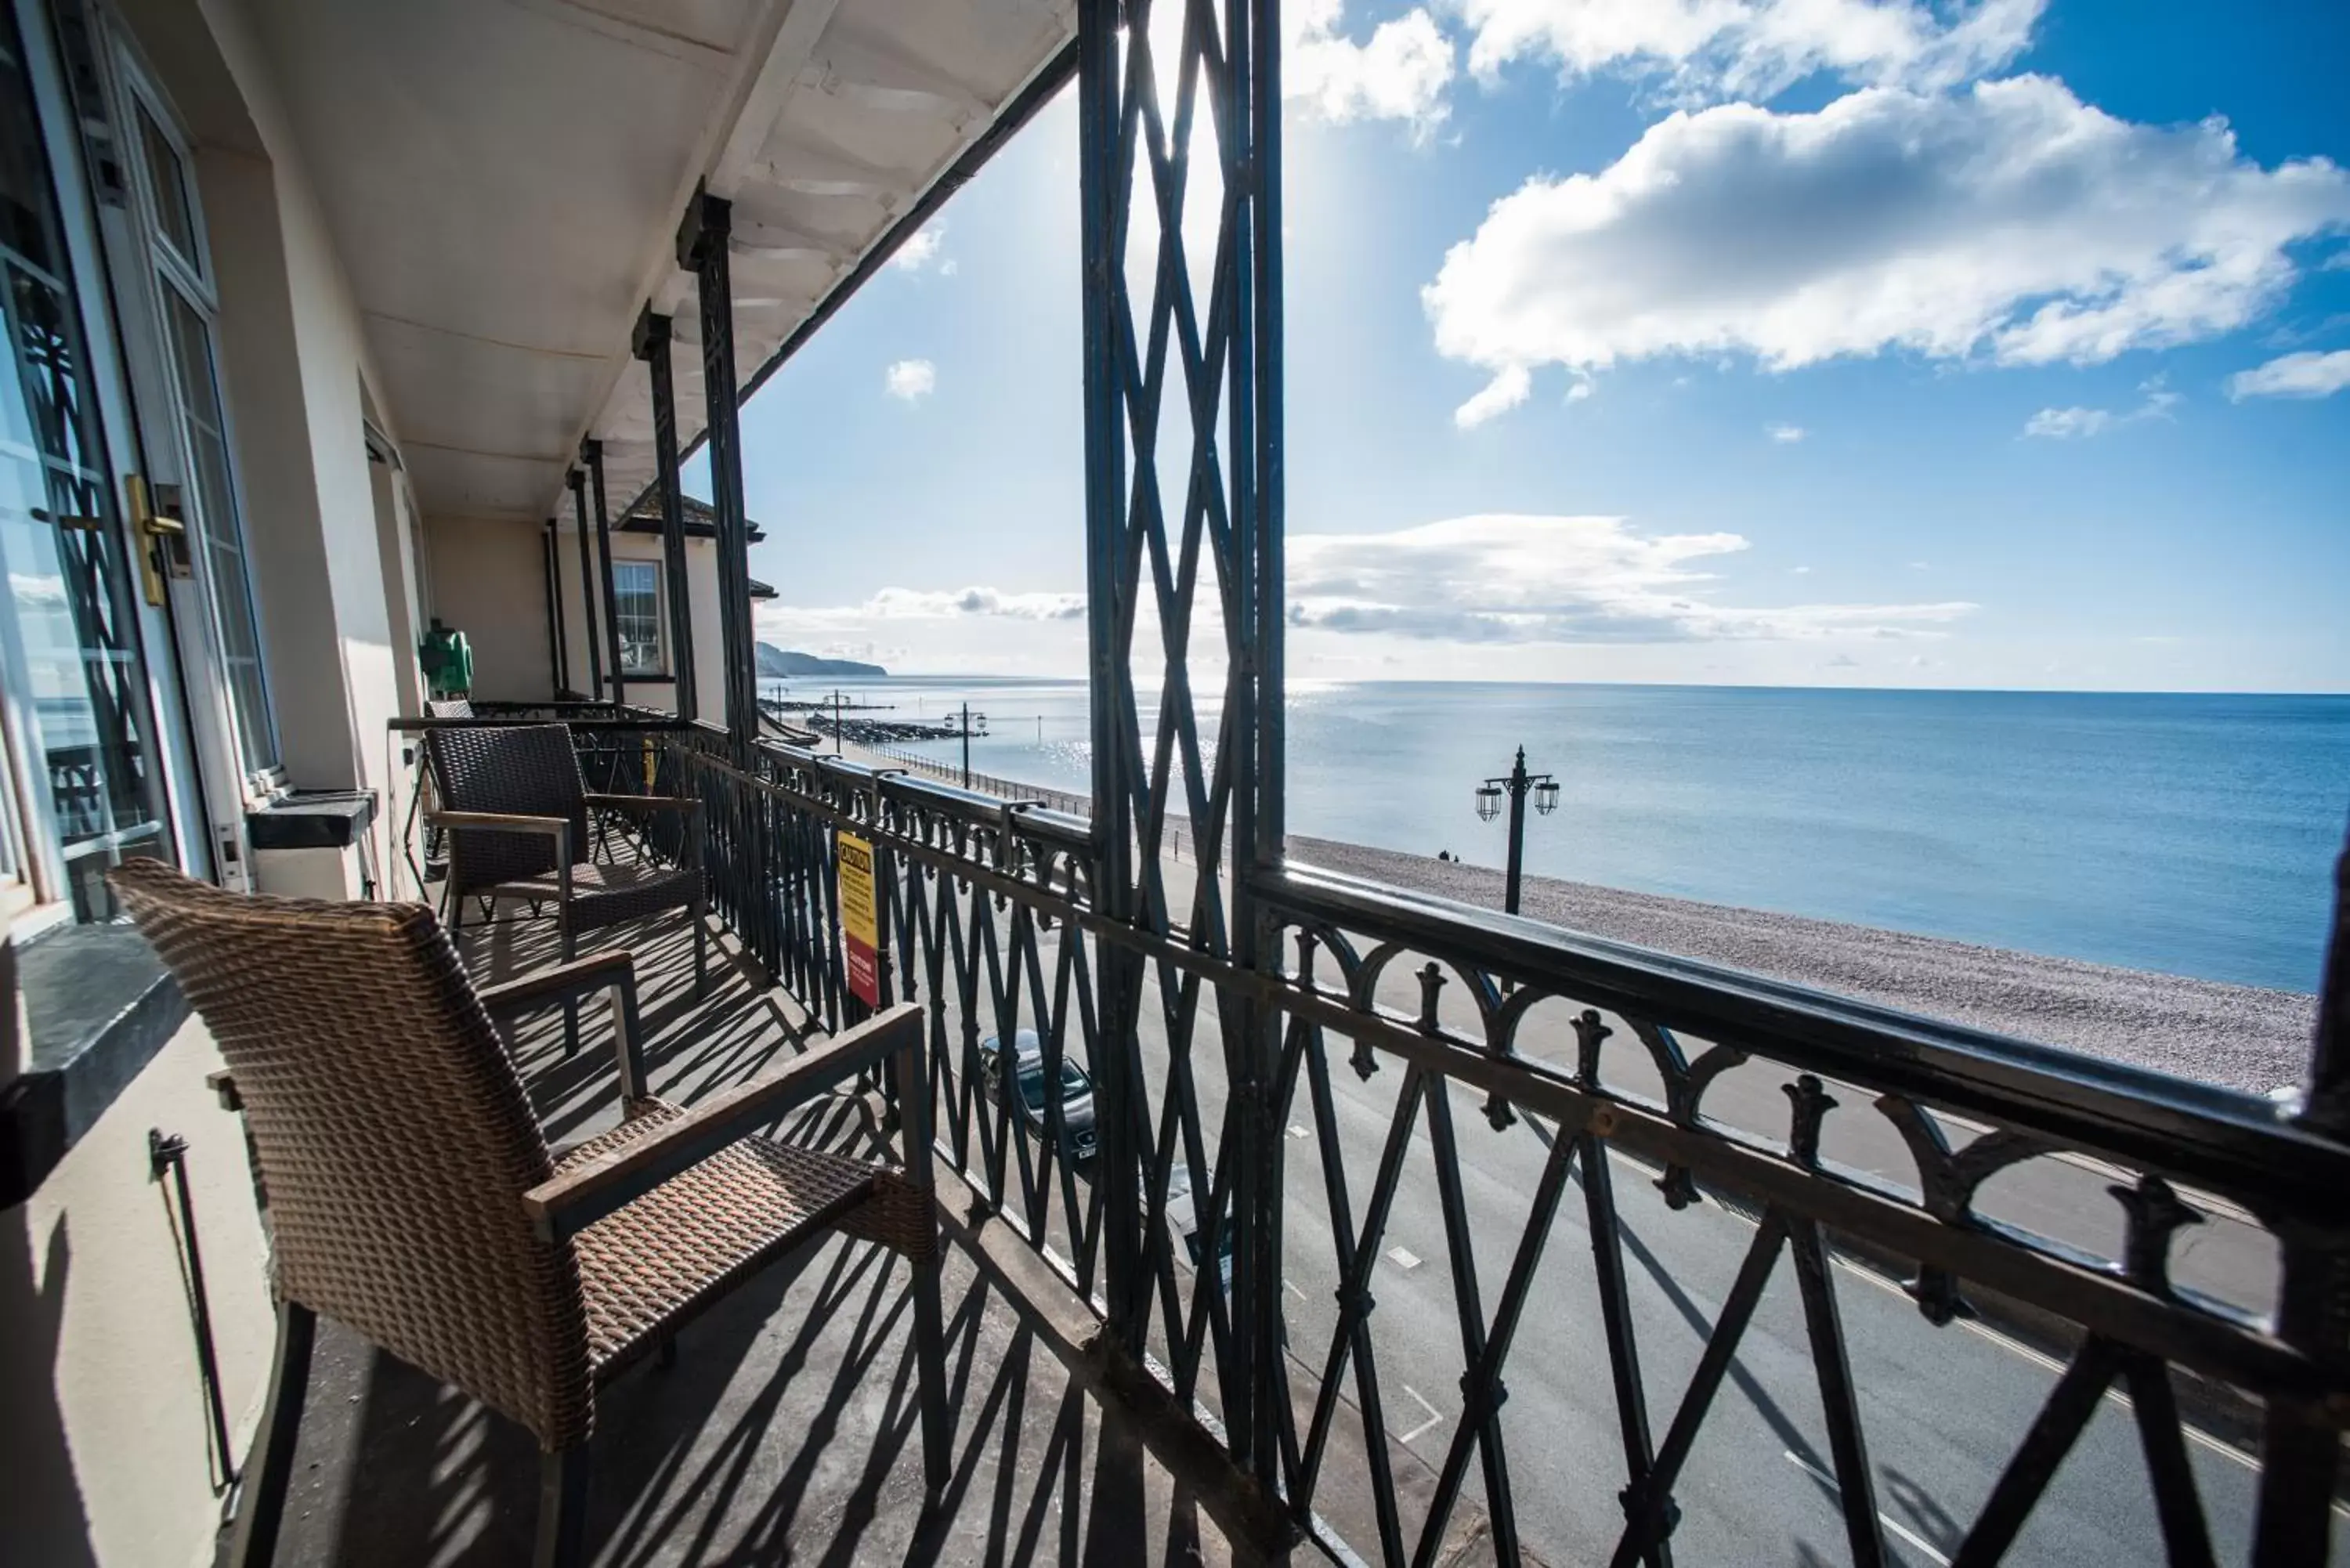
310,309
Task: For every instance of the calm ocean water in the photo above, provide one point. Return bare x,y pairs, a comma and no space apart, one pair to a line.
2193,835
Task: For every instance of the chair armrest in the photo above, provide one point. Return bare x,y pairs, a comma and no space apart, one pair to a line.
578,1197
676,803
501,821
569,982
563,982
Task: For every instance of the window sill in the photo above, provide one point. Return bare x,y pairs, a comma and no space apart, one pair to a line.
98,1006
311,819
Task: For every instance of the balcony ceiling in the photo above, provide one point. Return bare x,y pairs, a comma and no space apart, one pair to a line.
503,179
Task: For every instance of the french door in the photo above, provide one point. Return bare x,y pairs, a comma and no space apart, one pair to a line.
189,518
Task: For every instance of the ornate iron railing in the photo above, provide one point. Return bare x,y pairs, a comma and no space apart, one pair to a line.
1593,1054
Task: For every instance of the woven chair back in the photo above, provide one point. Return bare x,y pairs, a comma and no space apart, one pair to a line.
525,769
449,708
394,1138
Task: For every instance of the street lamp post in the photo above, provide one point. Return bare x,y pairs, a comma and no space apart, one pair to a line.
967,717
1517,786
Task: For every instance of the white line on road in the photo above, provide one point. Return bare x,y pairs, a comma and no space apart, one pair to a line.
1887,1520
1435,1417
2195,1435
1292,1287
1296,1131
1403,1258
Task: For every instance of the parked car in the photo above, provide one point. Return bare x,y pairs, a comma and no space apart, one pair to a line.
1184,1224
1077,1092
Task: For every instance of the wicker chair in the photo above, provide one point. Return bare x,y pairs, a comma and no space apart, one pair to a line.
515,810
413,1199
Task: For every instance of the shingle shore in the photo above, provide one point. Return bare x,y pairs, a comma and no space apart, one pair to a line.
2242,1036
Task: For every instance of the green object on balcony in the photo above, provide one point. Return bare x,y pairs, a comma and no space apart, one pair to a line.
447,659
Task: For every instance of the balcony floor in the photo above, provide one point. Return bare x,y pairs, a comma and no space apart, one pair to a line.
786,1432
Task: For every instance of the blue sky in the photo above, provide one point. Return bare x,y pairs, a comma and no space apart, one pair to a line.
1785,341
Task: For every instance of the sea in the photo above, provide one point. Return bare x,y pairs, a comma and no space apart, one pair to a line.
2191,835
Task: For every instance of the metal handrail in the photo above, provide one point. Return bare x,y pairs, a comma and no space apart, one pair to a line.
2245,1145
971,885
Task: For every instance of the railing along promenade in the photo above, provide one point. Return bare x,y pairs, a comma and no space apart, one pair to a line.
988,918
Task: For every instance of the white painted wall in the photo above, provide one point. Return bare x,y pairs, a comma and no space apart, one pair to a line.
294,366
489,580
488,583
104,1435
106,1418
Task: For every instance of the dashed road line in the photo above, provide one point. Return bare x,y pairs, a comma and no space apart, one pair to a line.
1435,1417
1923,1546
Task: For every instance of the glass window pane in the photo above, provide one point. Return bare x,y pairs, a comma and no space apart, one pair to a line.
167,179
636,598
216,523
65,626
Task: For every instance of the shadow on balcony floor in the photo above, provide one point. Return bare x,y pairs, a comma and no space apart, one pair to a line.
786,1431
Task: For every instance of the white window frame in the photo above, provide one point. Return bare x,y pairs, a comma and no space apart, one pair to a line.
659,668
141,103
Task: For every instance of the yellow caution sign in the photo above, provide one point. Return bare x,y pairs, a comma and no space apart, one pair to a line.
860,930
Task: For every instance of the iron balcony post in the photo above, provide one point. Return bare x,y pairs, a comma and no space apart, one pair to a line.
702,249
1126,1275
591,456
2325,1098
579,485
558,649
2300,1453
1251,91
650,343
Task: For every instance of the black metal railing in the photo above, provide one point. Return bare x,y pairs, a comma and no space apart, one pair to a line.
1889,1149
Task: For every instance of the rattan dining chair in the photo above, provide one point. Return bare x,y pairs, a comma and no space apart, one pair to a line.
412,1199
514,807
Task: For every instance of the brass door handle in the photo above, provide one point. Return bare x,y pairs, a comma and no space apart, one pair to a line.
150,527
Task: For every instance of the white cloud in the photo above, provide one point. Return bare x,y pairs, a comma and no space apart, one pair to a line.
2308,375
944,604
2066,424
1509,387
911,380
2069,424
2009,221
1787,435
1401,73
1708,49
923,250
1530,579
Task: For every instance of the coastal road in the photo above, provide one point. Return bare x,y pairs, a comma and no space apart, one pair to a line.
1943,1409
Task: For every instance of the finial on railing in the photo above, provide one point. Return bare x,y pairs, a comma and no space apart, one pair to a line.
1431,982
1588,1033
1812,1103
2155,1214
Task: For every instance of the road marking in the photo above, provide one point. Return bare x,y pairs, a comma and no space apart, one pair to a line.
1924,1546
1296,1131
1403,1258
1435,1417
2195,1435
1291,1285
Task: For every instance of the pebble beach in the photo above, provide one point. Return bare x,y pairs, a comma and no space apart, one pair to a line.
2240,1036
